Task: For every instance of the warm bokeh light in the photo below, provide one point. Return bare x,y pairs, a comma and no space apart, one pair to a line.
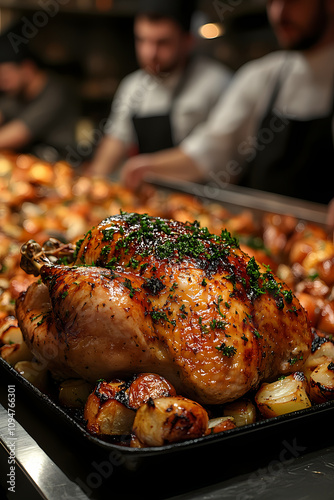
211,30
104,5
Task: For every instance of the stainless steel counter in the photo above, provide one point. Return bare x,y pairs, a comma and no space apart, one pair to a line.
23,453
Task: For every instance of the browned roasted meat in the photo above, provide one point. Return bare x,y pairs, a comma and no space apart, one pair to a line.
152,295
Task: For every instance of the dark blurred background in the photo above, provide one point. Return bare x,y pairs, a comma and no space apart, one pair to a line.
91,41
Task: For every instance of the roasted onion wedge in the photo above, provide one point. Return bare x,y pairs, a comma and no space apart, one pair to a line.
322,383
322,355
283,396
220,424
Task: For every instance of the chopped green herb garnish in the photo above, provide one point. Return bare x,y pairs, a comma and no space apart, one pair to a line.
127,283
227,350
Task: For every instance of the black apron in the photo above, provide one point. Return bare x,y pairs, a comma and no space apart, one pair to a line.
154,132
296,158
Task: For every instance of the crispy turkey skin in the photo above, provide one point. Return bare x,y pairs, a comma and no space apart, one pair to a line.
146,294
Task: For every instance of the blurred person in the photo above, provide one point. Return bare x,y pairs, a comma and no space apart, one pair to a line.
38,110
158,105
273,128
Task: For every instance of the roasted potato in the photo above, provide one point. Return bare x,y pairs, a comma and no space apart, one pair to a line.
106,409
12,335
13,353
6,322
242,411
326,318
110,417
169,420
286,395
325,268
286,274
310,239
74,392
146,386
312,306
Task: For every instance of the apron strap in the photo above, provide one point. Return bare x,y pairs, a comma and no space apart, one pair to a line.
154,132
283,71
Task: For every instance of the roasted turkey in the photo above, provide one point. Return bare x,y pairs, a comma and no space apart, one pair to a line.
145,294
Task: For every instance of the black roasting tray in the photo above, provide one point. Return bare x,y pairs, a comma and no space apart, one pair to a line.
160,472
198,462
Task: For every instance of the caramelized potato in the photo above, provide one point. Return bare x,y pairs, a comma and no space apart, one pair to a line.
221,424
146,386
322,250
286,274
110,417
12,335
169,420
306,240
283,396
276,231
312,306
13,353
74,392
322,383
325,269
242,411
6,322
326,318
106,409
315,287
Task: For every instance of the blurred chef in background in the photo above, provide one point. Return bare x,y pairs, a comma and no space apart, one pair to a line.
38,111
158,105
273,128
